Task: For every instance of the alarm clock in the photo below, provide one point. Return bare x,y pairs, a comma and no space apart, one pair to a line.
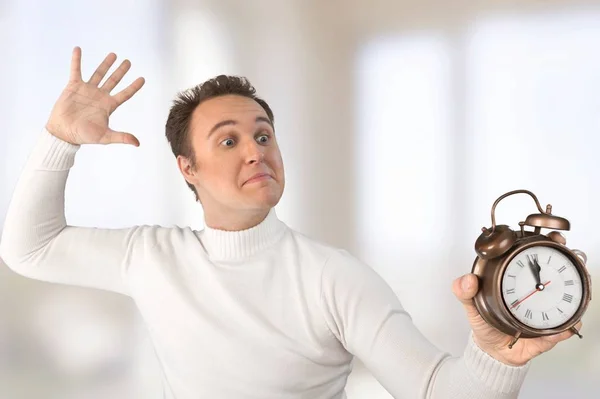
530,283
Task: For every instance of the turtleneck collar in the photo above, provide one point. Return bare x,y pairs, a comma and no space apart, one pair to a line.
230,245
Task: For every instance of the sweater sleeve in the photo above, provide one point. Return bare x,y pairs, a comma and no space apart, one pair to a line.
367,317
36,241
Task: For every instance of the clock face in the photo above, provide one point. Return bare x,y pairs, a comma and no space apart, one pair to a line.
546,302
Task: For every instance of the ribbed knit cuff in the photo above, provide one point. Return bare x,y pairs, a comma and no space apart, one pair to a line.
52,153
495,375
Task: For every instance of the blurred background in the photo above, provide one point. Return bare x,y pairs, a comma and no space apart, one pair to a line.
400,123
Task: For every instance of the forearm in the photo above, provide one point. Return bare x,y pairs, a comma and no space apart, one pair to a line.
38,243
36,212
475,375
409,366
366,316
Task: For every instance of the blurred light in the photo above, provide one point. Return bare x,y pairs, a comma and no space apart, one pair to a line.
202,45
403,143
78,335
532,98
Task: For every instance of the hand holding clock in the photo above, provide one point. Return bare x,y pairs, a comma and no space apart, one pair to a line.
494,342
516,309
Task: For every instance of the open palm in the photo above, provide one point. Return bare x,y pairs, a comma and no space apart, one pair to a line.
81,113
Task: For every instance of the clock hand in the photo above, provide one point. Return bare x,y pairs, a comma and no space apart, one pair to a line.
530,294
538,269
535,269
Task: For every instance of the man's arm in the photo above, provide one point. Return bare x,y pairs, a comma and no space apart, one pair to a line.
36,240
364,313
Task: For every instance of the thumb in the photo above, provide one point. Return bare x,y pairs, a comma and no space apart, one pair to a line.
114,137
465,288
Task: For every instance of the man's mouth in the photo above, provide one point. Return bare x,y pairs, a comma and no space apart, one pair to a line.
258,177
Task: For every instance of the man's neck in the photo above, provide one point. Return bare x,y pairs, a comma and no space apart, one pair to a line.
234,220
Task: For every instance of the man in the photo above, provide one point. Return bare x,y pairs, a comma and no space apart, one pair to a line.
247,307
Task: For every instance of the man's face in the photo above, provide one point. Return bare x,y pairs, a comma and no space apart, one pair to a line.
238,163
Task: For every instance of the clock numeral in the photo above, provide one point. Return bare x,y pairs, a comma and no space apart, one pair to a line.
560,310
535,257
510,291
520,263
545,316
550,257
528,314
567,298
514,302
569,282
562,269
510,275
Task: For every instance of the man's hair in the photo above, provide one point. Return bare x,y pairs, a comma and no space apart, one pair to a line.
177,128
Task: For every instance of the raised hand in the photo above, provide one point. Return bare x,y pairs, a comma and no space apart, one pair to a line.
81,113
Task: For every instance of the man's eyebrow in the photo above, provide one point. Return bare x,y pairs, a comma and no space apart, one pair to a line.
231,122
219,125
264,119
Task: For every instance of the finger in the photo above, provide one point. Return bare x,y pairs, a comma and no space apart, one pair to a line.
129,91
114,137
564,335
116,76
465,288
102,69
75,75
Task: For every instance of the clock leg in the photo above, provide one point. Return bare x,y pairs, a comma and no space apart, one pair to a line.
576,332
515,339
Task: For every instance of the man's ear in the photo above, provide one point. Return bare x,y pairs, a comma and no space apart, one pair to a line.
188,170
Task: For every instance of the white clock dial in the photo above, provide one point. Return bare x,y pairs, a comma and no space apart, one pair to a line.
552,301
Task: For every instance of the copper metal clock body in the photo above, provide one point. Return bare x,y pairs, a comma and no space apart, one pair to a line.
498,245
490,302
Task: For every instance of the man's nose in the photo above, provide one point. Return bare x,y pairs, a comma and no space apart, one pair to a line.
254,152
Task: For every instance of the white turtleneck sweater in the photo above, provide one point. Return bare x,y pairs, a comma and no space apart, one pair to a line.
261,313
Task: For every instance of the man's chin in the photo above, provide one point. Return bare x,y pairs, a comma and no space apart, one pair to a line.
266,201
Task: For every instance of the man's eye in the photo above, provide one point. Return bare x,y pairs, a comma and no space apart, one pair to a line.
228,142
263,138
